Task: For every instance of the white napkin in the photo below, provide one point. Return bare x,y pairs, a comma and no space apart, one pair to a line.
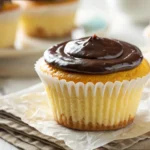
31,106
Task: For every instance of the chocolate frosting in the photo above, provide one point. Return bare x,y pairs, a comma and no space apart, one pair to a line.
94,55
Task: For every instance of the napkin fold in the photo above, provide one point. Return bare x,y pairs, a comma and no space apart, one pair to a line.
21,135
18,133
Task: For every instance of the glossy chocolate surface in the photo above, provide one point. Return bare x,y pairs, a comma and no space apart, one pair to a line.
94,55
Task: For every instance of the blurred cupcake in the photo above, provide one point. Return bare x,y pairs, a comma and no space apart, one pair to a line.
49,18
9,14
146,35
94,83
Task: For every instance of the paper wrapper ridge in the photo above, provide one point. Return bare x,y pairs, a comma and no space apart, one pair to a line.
49,21
93,106
8,27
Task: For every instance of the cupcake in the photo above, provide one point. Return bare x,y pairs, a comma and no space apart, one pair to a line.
93,83
9,14
49,18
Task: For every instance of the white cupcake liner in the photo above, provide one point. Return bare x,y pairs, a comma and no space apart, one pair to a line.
8,27
50,16
10,15
94,106
51,9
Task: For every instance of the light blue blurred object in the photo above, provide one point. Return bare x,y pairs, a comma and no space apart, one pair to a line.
89,23
94,24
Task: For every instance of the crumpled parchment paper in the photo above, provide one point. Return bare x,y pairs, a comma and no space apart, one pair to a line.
31,105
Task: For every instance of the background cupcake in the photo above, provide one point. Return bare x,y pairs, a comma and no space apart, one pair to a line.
94,83
48,19
9,15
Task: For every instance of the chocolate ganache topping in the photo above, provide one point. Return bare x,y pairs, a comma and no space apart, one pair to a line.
94,55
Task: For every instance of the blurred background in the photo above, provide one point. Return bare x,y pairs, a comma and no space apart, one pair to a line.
28,28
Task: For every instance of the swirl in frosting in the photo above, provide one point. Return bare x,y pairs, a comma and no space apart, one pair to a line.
94,55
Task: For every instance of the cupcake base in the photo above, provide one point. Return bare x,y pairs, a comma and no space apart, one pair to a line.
40,33
8,27
79,125
49,21
92,107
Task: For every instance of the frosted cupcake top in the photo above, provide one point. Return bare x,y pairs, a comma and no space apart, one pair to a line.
94,55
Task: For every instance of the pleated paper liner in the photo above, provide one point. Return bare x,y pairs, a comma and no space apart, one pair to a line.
49,21
8,27
52,9
93,106
12,15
